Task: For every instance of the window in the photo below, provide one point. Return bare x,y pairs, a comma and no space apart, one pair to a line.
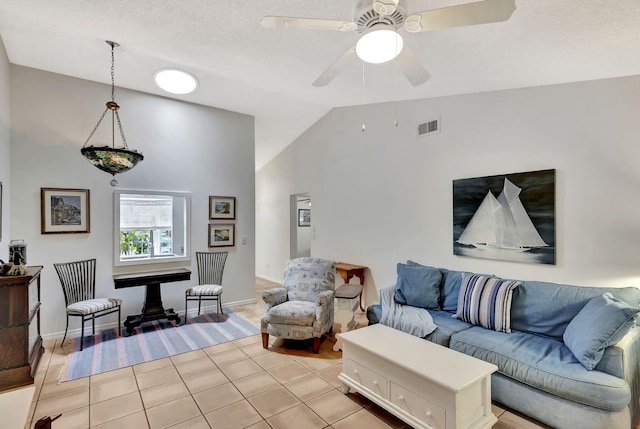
151,226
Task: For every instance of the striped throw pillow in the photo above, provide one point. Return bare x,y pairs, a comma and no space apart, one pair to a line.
486,301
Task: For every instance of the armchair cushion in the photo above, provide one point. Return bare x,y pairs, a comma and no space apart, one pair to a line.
301,313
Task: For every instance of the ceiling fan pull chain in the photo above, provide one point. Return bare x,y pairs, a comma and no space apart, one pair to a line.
364,127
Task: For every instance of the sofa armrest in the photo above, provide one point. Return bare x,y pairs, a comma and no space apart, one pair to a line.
273,297
621,360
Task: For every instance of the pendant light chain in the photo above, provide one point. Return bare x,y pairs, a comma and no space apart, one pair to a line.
111,159
113,82
113,100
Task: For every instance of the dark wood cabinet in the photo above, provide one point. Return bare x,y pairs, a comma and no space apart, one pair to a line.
20,340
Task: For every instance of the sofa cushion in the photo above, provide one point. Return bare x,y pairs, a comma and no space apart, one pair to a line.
486,301
547,308
418,286
602,322
447,325
545,364
374,313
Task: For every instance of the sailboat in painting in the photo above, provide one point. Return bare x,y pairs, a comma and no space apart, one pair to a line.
502,223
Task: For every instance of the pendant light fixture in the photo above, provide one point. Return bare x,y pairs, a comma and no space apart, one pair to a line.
114,160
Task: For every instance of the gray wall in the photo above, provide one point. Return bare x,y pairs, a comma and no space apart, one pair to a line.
187,147
5,145
385,195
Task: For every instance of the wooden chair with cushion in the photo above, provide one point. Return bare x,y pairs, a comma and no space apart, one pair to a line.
78,280
210,271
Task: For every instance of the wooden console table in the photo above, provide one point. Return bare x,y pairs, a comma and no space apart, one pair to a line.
152,308
347,271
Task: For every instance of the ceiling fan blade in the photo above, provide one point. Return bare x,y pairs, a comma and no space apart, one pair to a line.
335,68
482,12
385,7
306,23
409,65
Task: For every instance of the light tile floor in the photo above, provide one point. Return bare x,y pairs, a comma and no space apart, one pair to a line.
231,385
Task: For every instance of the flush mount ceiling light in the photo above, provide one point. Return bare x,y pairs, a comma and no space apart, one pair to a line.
175,81
113,160
379,44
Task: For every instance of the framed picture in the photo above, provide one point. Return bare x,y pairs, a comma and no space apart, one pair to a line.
222,235
304,217
508,217
222,208
64,211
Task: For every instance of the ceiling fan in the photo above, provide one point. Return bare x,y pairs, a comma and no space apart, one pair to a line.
379,21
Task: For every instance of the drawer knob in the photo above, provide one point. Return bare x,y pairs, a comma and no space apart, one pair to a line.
375,382
428,414
401,398
355,371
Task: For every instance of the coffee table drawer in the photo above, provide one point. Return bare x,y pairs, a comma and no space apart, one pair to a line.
368,378
418,407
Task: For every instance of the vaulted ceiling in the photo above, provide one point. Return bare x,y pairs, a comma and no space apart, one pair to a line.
267,73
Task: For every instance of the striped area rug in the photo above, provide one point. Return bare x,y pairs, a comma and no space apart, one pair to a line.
107,350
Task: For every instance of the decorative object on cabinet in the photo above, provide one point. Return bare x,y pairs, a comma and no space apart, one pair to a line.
222,208
64,211
304,217
78,280
508,217
210,271
114,160
20,328
18,246
222,235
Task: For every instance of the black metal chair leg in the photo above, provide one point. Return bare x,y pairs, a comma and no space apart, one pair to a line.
82,335
65,331
199,303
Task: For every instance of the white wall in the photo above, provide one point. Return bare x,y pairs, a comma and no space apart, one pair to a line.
5,149
384,195
187,147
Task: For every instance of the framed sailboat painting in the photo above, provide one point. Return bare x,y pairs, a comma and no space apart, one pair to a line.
509,217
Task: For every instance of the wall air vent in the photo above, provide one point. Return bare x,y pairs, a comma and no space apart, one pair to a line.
429,127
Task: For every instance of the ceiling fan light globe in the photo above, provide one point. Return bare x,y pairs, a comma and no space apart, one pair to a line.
378,46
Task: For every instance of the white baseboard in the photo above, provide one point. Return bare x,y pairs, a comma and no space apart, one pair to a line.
271,279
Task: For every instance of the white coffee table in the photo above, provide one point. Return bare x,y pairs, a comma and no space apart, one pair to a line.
426,385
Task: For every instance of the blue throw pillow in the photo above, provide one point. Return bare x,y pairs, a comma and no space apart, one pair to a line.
486,301
418,286
603,321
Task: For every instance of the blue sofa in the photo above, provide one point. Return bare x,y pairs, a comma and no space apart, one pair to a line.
563,372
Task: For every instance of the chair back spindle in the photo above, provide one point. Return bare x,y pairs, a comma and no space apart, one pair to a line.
78,280
211,267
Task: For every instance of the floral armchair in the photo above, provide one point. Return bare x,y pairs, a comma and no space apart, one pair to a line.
303,307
